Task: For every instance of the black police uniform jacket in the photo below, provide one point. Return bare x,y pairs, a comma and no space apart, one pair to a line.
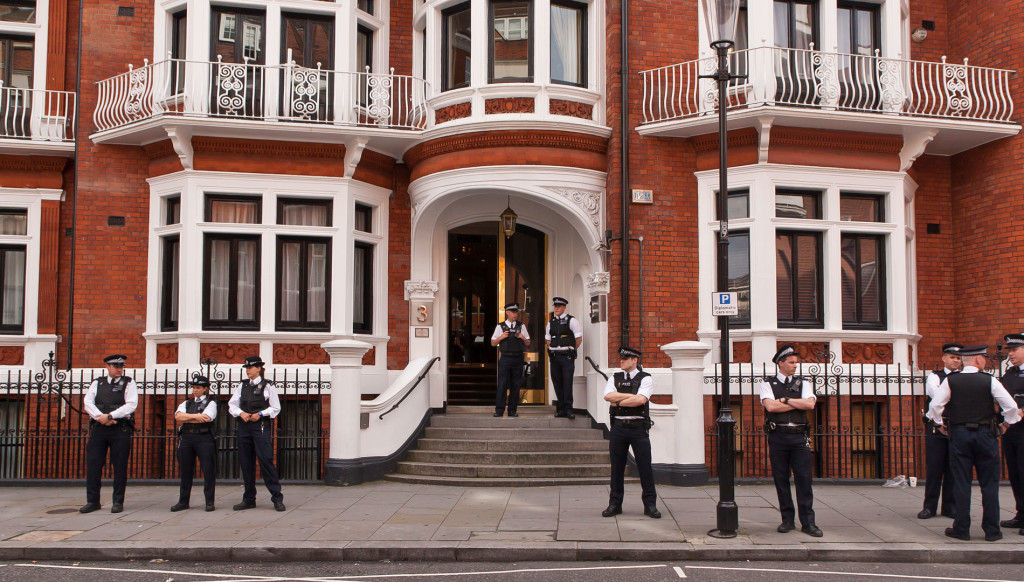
253,397
629,386
193,406
513,345
791,389
970,399
560,332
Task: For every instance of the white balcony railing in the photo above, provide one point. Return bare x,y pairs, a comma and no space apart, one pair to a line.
37,115
283,93
831,81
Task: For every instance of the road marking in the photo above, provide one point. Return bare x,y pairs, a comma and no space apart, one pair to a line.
679,571
180,572
869,574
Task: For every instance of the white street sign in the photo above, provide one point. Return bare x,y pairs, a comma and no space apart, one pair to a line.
724,304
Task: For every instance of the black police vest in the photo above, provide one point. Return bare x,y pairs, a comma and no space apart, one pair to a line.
196,407
254,397
791,389
631,386
1013,381
110,395
561,334
970,398
511,346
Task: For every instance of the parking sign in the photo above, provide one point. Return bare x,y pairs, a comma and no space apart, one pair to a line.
724,304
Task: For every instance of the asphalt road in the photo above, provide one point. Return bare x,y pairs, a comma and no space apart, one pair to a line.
157,571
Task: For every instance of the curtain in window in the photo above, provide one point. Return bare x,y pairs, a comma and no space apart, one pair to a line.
566,41
173,299
290,265
14,287
316,305
247,258
241,212
304,214
14,224
220,270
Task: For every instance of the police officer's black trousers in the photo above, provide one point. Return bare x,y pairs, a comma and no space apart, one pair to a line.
191,446
938,472
562,369
510,376
1013,450
118,439
789,451
978,450
255,443
620,439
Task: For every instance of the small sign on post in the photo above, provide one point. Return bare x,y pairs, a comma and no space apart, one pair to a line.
724,304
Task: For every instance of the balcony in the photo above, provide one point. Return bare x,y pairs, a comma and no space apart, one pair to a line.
36,121
954,106
245,100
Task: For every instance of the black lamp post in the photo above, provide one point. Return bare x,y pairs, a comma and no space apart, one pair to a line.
721,17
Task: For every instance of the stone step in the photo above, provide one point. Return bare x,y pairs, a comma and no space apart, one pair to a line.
501,482
486,411
579,445
481,458
511,471
511,431
581,422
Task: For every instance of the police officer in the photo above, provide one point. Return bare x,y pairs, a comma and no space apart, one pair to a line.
110,402
786,399
511,339
969,400
564,336
628,393
1013,439
255,404
936,445
195,439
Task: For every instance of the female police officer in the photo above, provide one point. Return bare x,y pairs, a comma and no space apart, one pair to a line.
255,404
195,439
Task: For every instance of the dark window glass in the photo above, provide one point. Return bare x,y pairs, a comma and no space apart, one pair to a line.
798,279
511,44
231,282
303,279
365,5
364,61
796,24
364,218
237,35
859,30
863,281
172,210
569,42
12,290
14,221
738,204
179,50
861,208
18,11
456,50
797,204
302,212
739,276
169,302
234,209
362,289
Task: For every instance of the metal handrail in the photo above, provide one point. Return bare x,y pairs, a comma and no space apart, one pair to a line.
596,369
411,388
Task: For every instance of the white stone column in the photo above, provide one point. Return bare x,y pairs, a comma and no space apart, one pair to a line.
343,463
689,466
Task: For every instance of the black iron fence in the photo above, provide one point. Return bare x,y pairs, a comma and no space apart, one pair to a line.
43,426
867,423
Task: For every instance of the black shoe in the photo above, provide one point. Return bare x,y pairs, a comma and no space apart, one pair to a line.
812,530
279,505
1012,523
1021,532
571,415
612,510
785,527
926,513
210,507
497,415
179,506
995,537
559,414
243,505
89,507
652,511
513,414
116,508
951,533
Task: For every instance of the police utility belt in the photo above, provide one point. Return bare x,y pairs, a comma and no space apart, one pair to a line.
989,425
568,353
195,428
785,428
633,422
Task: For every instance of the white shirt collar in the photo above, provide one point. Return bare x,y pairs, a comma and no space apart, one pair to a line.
256,380
947,370
969,370
509,323
782,378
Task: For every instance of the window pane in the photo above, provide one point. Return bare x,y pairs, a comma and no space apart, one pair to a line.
863,281
171,285
234,211
364,218
220,275
849,275
13,287
362,289
173,210
803,26
784,277
860,208
14,222
511,38
18,12
870,280
457,48
316,304
798,279
738,204
248,256
16,64
567,50
807,303
290,266
305,214
366,6
781,24
739,274
791,204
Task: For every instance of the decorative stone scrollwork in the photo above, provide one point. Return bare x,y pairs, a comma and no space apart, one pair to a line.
305,87
955,81
380,97
826,83
452,112
598,283
571,109
138,84
420,290
589,201
893,95
230,87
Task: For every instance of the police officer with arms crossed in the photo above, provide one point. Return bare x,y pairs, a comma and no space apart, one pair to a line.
564,336
110,402
255,404
195,439
786,399
511,339
938,472
969,400
1013,439
628,393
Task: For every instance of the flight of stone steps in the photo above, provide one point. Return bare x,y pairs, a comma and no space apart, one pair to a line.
468,446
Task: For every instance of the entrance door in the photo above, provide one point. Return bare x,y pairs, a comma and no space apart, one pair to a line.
486,271
305,87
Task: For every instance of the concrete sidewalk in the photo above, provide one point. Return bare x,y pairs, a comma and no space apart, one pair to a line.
394,521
